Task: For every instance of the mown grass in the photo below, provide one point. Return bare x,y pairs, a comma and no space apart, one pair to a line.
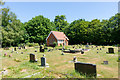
59,65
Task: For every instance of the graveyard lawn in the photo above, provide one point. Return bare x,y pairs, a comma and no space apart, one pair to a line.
60,66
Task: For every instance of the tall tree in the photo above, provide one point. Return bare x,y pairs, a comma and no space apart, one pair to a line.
38,28
12,28
60,22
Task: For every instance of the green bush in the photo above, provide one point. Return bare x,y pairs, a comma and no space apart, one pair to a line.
60,45
36,44
55,44
30,44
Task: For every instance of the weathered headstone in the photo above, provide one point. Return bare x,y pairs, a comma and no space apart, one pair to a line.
87,46
73,46
40,48
74,59
32,58
97,49
15,48
19,47
100,48
111,50
62,53
86,68
43,61
105,62
24,47
82,52
21,52
35,50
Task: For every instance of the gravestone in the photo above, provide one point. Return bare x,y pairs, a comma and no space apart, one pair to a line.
73,46
21,52
32,58
86,68
43,61
82,52
105,62
24,47
62,53
35,50
111,50
19,47
118,49
10,55
15,48
74,59
87,46
97,52
100,48
97,49
40,48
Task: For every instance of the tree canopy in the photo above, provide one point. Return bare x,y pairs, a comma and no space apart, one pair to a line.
38,28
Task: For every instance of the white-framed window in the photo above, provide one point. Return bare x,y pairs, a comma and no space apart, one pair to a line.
60,41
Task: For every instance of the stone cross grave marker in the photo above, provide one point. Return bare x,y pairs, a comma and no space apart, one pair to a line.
86,68
43,61
32,58
111,50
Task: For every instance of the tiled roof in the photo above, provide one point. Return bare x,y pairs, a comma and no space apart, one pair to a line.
59,35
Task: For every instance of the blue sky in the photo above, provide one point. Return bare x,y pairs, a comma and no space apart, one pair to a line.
72,10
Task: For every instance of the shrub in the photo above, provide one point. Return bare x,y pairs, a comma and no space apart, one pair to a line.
55,44
30,44
60,45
